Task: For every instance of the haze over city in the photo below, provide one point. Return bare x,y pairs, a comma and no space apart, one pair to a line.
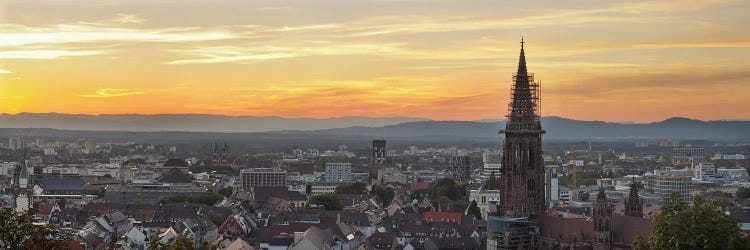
374,125
442,60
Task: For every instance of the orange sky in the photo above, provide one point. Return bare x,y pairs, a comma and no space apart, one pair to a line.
447,60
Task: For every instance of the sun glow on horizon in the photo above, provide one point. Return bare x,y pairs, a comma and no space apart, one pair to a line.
447,60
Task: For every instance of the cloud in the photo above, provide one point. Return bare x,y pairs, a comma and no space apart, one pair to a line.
46,54
19,35
223,54
130,19
110,92
5,71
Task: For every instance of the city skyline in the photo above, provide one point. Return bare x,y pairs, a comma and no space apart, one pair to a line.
376,59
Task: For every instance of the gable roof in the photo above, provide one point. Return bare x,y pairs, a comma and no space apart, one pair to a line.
175,176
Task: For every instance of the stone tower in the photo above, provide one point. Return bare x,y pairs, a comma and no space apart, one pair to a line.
522,174
602,221
633,206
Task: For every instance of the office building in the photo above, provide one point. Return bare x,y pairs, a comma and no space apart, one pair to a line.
667,182
262,177
461,167
491,164
551,186
378,152
687,155
338,172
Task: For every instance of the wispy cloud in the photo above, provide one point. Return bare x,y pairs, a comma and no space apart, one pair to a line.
130,19
5,71
111,92
46,54
222,54
18,35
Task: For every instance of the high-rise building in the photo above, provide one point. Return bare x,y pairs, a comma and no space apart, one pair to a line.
461,167
378,151
523,167
262,177
687,155
551,186
14,143
668,182
338,172
491,164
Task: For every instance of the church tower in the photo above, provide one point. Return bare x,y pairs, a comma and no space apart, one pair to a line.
633,206
603,221
522,174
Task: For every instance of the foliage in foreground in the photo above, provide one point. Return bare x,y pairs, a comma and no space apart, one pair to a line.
701,226
19,232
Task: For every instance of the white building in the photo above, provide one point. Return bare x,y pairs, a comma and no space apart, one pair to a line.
551,185
704,170
492,163
732,173
728,157
7,168
487,200
338,172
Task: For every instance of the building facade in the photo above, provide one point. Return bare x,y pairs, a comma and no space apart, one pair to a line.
338,172
378,152
262,177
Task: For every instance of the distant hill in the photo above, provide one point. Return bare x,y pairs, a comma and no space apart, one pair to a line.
560,128
346,128
188,122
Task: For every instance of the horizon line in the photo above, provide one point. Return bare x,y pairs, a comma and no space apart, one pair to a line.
362,116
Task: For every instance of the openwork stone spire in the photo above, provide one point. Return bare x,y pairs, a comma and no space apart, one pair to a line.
522,172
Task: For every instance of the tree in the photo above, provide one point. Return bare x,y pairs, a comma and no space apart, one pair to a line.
329,201
354,188
226,192
491,182
446,188
474,210
385,194
678,226
18,232
743,193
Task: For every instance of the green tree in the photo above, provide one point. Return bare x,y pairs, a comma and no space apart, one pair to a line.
474,210
446,188
385,194
354,188
226,192
18,232
701,226
743,193
329,201
217,219
491,182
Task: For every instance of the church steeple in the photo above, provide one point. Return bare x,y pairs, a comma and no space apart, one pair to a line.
633,206
522,61
522,174
525,93
603,221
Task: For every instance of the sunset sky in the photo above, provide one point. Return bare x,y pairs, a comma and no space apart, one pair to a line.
445,60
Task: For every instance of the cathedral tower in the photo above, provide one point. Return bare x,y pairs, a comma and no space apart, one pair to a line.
522,173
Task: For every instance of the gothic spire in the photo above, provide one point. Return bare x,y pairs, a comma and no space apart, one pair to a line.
522,61
523,114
